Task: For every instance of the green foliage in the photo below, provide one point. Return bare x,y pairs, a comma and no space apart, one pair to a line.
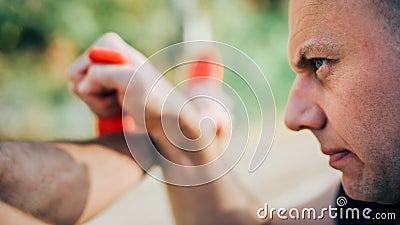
40,38
32,23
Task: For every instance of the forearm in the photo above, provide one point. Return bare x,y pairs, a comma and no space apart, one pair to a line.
11,215
223,201
219,202
111,170
43,181
67,183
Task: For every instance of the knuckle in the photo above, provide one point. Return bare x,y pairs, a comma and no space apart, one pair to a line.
111,36
84,92
70,73
72,87
93,71
110,39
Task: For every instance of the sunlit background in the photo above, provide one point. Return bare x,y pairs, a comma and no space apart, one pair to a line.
40,38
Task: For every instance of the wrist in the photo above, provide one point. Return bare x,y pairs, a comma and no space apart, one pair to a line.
183,148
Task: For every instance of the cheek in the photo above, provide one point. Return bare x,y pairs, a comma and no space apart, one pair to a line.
365,113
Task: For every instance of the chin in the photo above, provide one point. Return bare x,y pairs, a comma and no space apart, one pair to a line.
362,190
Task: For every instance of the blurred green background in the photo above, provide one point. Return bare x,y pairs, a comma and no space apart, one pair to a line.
40,38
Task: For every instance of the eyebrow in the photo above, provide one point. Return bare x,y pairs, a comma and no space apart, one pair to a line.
315,49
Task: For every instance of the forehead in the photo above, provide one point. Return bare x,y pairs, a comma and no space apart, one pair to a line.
314,13
329,22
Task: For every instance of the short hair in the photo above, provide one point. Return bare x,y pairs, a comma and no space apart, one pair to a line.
390,12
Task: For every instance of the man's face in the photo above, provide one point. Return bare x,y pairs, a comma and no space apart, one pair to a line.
347,92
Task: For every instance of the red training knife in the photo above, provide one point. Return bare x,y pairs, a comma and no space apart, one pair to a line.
107,56
206,67
115,123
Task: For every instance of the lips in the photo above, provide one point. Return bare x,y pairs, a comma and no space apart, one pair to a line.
337,157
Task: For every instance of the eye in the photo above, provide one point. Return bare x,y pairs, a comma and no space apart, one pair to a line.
319,62
321,67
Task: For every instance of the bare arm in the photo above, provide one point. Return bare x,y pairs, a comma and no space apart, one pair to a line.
223,201
66,183
220,202
10,216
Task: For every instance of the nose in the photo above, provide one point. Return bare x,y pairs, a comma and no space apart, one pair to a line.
302,112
